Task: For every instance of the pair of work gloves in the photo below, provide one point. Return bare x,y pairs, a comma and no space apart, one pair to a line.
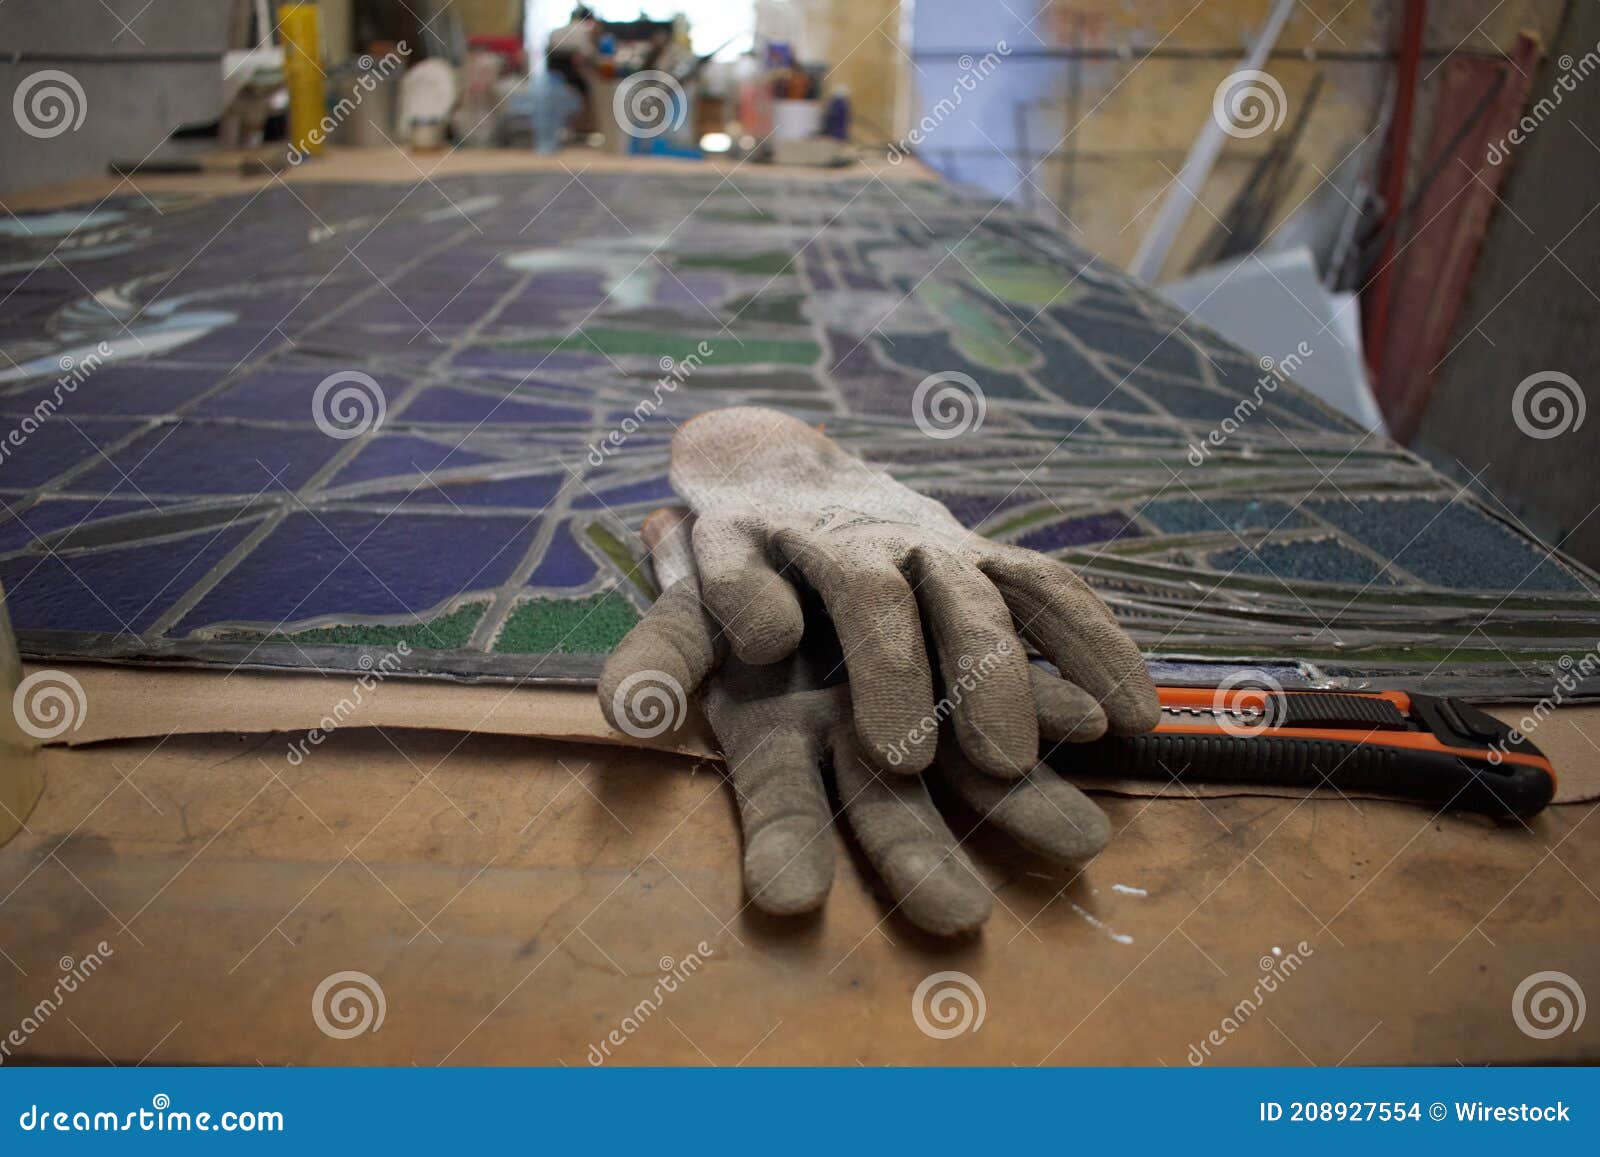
802,592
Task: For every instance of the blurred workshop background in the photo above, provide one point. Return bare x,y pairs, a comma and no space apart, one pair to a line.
1096,115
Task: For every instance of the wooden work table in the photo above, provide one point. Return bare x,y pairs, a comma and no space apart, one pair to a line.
518,900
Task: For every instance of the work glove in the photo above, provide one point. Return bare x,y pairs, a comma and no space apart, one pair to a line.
781,724
771,493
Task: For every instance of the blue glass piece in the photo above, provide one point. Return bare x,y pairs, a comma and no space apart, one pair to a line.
1323,560
1159,349
1448,544
1196,516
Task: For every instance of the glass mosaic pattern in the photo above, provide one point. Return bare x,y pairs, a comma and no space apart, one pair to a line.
298,427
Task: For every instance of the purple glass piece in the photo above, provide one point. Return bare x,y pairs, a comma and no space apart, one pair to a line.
345,562
52,514
566,288
232,344
565,564
151,390
205,458
280,394
55,446
402,455
111,590
1080,531
694,289
971,510
531,492
446,404
524,361
649,490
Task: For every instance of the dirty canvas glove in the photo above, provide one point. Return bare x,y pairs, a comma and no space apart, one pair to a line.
780,724
771,492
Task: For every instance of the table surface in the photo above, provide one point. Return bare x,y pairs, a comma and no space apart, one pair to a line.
520,901
527,901
407,166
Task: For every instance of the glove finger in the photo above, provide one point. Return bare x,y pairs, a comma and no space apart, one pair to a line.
909,844
880,631
755,605
1067,713
1041,811
646,682
1058,613
985,668
784,815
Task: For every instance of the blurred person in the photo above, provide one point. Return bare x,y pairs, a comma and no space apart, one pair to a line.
572,48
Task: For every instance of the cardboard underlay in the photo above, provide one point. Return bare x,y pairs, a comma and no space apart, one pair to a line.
134,703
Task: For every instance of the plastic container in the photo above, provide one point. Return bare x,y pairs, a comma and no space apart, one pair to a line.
795,120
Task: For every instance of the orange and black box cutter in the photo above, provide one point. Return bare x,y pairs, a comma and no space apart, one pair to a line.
1434,750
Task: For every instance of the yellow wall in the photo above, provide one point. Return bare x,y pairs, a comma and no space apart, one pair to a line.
486,17
857,39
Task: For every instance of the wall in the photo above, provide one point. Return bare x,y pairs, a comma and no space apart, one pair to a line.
1534,307
859,40
140,73
1105,126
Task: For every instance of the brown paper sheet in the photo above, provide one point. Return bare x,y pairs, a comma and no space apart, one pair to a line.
140,702
127,702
